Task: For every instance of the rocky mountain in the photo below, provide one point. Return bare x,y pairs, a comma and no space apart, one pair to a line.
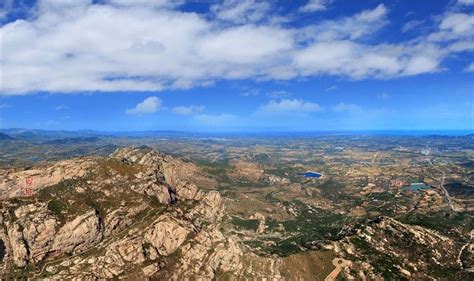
72,141
139,214
134,213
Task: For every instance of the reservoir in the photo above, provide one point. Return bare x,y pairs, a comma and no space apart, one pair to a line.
311,174
415,187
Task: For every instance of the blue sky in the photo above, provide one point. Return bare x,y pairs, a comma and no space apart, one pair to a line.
237,65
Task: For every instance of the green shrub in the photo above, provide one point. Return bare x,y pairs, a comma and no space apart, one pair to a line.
56,207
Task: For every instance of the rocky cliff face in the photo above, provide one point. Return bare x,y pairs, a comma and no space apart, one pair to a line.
398,249
21,183
78,235
135,213
35,234
165,177
18,248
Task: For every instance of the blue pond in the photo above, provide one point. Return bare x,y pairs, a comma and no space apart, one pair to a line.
419,186
311,175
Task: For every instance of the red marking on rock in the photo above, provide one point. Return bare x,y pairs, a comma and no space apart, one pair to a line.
28,191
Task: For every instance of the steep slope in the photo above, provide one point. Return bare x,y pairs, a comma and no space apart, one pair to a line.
137,214
131,214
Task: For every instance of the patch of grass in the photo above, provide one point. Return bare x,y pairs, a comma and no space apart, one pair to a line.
129,170
254,244
60,190
443,222
57,207
245,224
310,227
90,199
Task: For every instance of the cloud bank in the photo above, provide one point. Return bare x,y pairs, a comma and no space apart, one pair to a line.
77,46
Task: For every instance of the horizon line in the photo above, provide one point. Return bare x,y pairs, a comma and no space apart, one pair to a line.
369,131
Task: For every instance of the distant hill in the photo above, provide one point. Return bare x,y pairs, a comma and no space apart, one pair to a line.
45,135
69,141
5,137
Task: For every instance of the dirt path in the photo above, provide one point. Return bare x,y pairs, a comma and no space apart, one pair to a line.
441,185
340,264
375,157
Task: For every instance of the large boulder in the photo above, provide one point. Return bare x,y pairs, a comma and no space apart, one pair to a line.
209,209
79,234
167,234
33,232
17,243
39,234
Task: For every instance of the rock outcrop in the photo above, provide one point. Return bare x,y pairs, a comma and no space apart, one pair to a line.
31,233
421,248
34,235
165,176
17,245
26,183
206,254
170,229
209,209
79,234
166,235
39,233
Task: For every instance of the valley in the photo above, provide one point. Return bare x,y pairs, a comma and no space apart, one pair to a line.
233,207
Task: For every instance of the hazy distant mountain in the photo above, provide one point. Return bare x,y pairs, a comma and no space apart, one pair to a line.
69,141
5,137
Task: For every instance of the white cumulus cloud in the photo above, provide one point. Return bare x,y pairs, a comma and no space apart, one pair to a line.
289,105
412,25
466,2
149,105
188,110
77,46
454,26
314,6
346,107
215,120
353,27
240,11
470,67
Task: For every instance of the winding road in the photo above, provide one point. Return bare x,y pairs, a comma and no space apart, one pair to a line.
446,194
339,264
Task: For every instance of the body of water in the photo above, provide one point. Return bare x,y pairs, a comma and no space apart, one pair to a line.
310,174
415,187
